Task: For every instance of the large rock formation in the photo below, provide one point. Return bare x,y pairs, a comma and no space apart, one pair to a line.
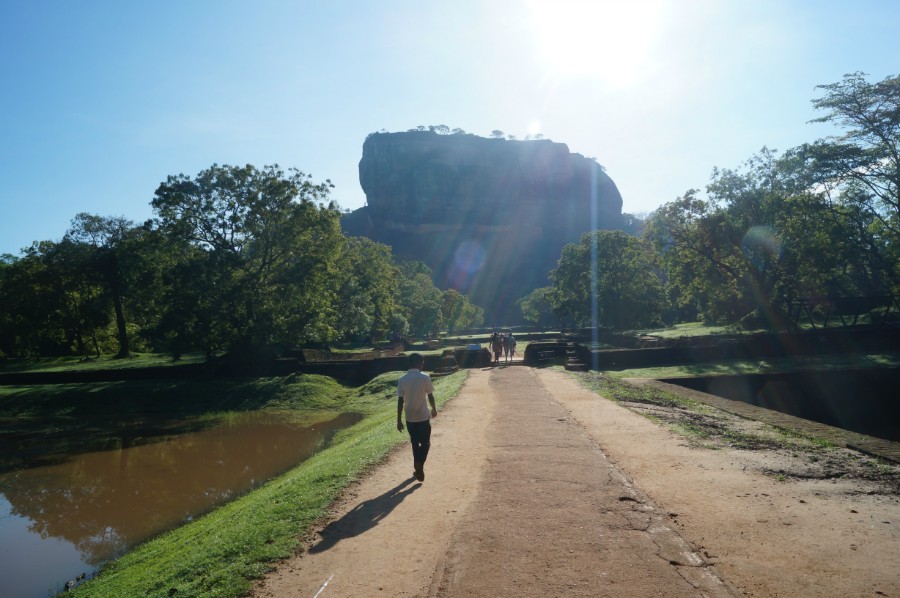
489,216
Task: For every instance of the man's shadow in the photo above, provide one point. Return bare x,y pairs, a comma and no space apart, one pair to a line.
364,516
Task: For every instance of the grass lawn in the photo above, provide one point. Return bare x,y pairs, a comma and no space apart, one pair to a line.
690,329
221,553
104,362
744,366
697,421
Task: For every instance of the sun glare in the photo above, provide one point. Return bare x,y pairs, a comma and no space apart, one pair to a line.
609,39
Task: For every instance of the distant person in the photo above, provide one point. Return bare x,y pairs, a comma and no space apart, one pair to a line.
509,346
413,388
496,347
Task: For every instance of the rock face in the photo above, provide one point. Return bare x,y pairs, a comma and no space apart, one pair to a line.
489,216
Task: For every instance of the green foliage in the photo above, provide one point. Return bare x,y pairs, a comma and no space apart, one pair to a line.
537,308
251,260
240,260
116,264
458,312
633,224
56,306
366,280
858,174
723,256
609,279
268,244
421,300
820,221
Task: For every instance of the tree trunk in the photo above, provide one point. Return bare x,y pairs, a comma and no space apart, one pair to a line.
121,330
80,349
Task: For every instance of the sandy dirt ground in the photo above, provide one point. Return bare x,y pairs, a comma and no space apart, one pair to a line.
536,486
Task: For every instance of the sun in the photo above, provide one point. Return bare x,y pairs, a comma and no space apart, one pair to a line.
608,39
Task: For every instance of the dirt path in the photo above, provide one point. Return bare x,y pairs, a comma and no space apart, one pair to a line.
520,499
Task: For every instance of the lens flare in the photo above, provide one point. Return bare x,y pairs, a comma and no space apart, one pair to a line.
761,239
467,261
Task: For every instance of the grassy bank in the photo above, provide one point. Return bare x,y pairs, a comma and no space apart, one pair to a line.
768,366
698,422
786,453
220,553
104,362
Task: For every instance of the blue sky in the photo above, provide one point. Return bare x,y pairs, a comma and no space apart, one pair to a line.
102,100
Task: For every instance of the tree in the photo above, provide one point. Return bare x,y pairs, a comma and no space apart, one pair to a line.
767,233
7,318
857,175
608,279
537,308
497,134
421,300
868,154
59,304
190,317
470,315
268,241
367,289
724,257
28,321
112,263
633,224
458,312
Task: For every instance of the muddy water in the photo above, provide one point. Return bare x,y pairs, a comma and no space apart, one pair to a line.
62,520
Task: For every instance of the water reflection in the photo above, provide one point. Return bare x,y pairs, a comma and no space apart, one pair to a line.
60,520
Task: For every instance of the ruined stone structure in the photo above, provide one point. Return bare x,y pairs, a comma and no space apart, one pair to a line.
489,216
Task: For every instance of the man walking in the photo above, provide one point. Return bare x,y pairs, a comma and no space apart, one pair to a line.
412,390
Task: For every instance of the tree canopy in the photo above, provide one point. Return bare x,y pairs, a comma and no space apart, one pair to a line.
608,279
239,259
245,260
820,222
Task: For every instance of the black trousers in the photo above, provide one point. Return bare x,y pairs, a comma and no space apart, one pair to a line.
420,437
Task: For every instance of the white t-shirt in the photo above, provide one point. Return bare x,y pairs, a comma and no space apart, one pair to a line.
415,386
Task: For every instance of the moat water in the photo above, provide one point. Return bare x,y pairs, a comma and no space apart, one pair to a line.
63,520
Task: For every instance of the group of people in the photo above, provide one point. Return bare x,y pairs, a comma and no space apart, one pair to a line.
503,343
